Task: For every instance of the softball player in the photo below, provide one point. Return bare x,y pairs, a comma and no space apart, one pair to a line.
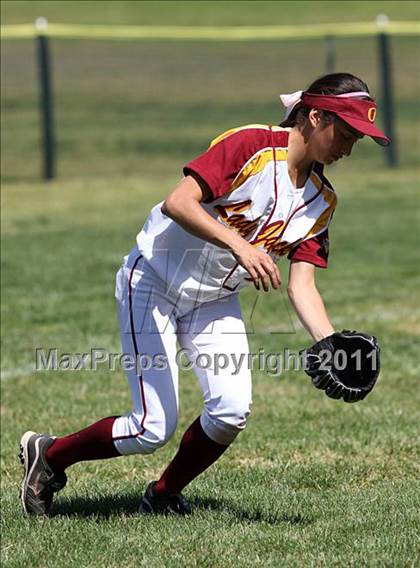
257,194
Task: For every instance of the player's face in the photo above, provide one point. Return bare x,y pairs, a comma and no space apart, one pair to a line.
333,141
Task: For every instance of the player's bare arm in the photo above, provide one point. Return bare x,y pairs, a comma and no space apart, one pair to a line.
307,300
183,206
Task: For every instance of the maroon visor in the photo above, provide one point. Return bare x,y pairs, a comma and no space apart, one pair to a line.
358,113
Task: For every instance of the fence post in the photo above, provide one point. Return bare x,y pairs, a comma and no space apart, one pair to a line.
330,54
46,102
384,53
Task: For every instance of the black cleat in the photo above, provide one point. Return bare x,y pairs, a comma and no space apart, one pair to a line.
163,504
39,481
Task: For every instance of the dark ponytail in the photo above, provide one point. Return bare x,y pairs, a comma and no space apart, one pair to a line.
333,84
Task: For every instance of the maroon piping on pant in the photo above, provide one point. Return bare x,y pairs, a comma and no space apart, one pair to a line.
136,351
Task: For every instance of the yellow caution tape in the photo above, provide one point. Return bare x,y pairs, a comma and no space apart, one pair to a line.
210,33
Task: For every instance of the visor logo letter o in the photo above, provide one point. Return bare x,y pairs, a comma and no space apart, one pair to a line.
371,114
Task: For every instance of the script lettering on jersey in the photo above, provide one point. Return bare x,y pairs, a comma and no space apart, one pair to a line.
270,238
232,215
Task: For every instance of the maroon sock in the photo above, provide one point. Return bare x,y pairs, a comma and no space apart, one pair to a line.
91,443
196,453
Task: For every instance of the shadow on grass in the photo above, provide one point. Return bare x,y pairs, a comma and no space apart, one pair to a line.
127,504
101,507
254,515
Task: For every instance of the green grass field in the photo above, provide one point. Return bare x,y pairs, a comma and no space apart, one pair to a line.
312,481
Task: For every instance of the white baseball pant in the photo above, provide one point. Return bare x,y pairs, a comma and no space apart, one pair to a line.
151,322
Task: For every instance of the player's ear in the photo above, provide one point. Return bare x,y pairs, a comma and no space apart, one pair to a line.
314,117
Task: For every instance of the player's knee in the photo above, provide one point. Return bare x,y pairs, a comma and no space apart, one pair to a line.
148,444
223,424
157,435
145,438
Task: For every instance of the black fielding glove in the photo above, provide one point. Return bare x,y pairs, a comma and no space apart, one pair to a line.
345,364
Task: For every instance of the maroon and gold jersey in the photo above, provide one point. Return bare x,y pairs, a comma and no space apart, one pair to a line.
246,172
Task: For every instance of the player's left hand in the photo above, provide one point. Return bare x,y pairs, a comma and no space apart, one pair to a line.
345,364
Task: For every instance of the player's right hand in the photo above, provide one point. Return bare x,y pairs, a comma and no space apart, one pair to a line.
259,265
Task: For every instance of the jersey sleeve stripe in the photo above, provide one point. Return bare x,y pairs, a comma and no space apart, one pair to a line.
321,224
256,164
246,127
